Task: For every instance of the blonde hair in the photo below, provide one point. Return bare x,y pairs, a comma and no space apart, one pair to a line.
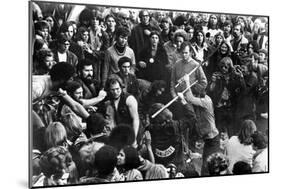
157,171
55,135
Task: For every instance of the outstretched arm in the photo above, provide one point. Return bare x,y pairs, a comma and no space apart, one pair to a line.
94,101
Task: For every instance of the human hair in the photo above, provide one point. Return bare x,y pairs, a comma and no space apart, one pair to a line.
142,12
72,86
154,32
42,54
82,63
40,25
180,20
219,34
157,171
168,20
260,140
132,160
61,71
54,161
255,45
241,28
156,85
121,136
217,162
228,23
180,33
226,61
209,22
124,59
81,30
248,127
241,167
95,124
196,33
64,27
62,39
73,126
87,150
122,31
110,16
105,160
55,135
113,79
85,15
228,53
165,115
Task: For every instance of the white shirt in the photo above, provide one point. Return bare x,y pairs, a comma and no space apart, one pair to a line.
236,151
62,57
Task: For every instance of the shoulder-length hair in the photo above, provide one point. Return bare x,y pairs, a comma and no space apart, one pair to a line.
248,128
132,160
55,135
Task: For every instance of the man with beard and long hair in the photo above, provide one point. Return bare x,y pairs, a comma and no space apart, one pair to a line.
124,105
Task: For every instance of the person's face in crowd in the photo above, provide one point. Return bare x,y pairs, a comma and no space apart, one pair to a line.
49,62
245,70
154,40
237,31
63,47
250,49
190,33
70,32
241,21
160,91
219,39
50,21
124,18
87,73
78,93
222,18
121,158
145,18
165,25
186,53
261,56
213,20
122,41
224,48
44,33
125,68
200,38
85,154
161,15
110,23
205,17
179,41
227,29
224,68
115,90
95,22
85,36
74,28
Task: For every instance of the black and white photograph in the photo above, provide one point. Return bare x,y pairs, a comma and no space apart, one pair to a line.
122,94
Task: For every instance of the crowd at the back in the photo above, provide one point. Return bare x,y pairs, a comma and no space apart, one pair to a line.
101,77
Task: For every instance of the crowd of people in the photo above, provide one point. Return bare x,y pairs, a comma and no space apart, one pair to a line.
101,77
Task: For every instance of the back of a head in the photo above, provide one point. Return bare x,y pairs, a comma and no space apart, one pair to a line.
55,135
106,160
95,124
217,163
121,136
61,71
260,140
248,127
241,167
54,161
157,171
132,160
73,126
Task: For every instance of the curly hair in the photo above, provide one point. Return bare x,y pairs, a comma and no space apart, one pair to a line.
217,163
